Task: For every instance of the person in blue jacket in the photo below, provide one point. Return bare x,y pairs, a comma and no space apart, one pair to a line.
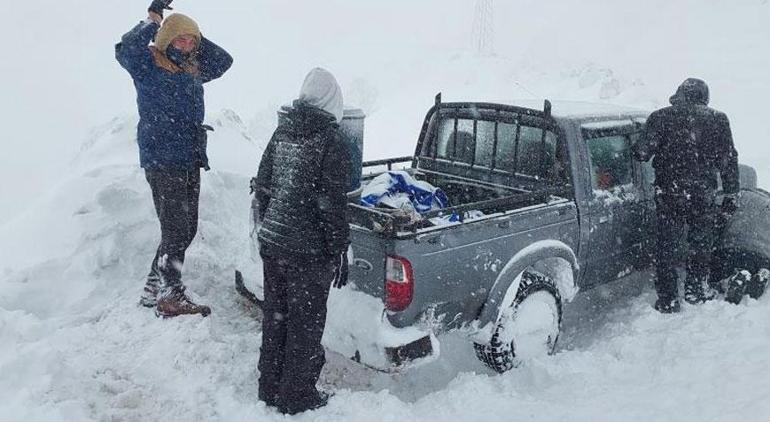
169,77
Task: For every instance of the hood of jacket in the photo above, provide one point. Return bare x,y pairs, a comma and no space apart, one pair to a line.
173,26
691,91
322,91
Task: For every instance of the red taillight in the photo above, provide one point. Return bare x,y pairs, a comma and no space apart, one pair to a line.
399,283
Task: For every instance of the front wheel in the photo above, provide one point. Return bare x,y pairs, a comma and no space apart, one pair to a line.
527,328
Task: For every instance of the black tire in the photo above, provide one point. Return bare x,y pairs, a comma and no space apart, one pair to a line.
726,262
502,355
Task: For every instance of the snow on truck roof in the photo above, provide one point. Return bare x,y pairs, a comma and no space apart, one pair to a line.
577,109
582,109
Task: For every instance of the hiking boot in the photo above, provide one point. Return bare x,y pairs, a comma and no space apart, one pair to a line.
149,296
173,302
696,292
319,400
736,286
667,306
757,284
718,286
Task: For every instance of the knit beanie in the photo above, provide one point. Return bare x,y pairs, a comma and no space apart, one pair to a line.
174,26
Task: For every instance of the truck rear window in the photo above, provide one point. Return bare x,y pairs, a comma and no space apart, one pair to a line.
511,147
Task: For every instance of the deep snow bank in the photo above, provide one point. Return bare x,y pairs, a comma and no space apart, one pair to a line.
97,227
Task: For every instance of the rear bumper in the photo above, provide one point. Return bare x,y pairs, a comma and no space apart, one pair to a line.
357,327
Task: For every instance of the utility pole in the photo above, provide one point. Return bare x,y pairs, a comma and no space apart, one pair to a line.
484,28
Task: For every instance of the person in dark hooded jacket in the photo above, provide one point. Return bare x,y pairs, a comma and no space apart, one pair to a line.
301,188
691,147
169,77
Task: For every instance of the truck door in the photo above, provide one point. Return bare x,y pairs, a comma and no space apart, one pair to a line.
617,204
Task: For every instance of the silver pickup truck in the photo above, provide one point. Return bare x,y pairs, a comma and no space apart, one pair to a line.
547,202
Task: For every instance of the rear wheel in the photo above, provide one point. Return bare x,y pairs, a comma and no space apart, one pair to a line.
527,328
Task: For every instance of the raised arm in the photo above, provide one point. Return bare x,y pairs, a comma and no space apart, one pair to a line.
132,51
214,61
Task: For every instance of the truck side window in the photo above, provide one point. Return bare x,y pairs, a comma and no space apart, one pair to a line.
611,162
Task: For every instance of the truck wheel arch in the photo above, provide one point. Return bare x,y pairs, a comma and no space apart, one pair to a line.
550,257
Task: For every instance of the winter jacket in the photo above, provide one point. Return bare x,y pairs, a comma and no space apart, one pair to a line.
170,100
301,186
691,145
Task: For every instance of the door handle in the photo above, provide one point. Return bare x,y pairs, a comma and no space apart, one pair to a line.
504,224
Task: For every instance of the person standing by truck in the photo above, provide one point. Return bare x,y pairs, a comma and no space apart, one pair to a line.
169,77
691,147
301,189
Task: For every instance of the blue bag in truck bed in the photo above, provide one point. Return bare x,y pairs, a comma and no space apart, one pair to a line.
397,189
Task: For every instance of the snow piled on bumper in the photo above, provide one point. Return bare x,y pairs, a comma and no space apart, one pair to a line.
357,327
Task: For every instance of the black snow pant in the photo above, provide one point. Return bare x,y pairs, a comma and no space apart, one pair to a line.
679,214
175,194
291,355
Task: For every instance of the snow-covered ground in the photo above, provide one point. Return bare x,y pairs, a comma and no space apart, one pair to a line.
77,230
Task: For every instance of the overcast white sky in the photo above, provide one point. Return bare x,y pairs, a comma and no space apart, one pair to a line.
58,77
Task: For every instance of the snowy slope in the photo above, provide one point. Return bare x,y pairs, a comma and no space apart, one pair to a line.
75,346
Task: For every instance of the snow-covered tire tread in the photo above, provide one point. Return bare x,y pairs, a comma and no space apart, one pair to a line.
500,356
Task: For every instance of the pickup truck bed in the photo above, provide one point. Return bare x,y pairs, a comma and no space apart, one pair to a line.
464,195
453,268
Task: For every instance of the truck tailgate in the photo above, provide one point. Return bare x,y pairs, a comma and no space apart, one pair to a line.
367,256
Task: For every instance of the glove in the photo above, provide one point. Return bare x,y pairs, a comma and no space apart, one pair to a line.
158,6
730,204
341,270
